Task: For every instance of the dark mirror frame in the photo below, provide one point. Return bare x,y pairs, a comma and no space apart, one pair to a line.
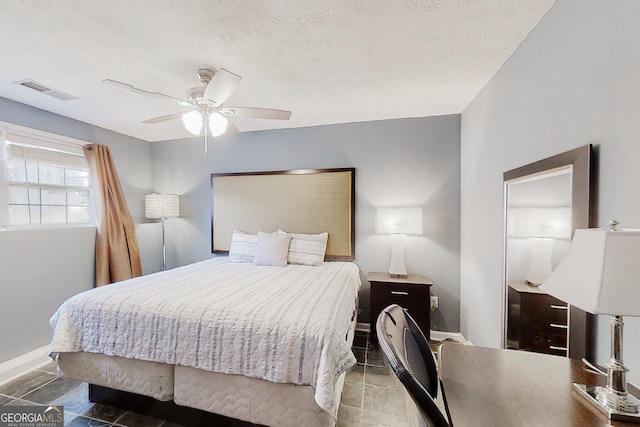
580,332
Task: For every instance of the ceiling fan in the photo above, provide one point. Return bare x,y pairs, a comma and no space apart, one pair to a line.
207,102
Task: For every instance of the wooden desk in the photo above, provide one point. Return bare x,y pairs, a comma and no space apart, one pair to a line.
494,387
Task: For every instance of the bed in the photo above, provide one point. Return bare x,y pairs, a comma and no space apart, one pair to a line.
266,343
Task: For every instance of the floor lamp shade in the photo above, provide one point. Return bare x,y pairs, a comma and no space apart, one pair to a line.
157,206
162,206
398,222
601,274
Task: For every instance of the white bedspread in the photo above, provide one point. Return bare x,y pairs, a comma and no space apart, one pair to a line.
281,324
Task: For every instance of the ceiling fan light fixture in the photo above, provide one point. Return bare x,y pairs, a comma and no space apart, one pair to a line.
208,101
193,122
217,124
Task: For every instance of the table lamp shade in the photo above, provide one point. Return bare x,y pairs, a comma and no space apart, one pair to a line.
398,220
600,273
551,222
161,206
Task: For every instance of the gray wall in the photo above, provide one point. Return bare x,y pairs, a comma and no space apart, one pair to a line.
573,81
39,269
398,163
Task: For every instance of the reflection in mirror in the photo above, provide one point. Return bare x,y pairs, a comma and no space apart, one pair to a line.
544,202
539,225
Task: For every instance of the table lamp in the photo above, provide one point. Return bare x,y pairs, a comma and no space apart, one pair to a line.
541,226
398,222
601,274
162,206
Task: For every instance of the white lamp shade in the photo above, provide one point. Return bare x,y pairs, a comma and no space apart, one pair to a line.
193,122
161,206
398,220
600,273
217,124
551,222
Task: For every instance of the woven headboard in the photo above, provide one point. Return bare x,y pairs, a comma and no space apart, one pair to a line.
297,201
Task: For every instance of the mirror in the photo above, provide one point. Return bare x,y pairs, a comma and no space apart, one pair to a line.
544,202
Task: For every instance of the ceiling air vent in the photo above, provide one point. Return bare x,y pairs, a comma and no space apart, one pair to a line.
58,94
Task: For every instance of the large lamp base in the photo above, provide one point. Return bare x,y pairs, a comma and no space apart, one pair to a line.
617,408
540,267
614,400
397,267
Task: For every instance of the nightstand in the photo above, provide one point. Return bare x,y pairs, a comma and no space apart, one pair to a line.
536,320
412,293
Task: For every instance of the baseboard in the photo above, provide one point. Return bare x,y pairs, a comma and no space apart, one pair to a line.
13,368
449,336
435,335
363,327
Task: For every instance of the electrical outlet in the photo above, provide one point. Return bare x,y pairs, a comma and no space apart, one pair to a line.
434,303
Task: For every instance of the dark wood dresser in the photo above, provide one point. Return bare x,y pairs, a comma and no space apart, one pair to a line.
537,321
412,293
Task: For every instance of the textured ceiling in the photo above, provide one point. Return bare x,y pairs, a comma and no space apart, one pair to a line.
327,61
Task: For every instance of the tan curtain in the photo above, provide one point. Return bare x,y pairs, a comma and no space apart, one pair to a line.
117,253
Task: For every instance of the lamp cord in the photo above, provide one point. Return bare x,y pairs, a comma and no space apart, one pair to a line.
593,367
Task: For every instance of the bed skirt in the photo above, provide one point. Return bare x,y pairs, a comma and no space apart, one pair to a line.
116,381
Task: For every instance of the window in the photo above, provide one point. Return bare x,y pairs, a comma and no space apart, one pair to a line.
46,181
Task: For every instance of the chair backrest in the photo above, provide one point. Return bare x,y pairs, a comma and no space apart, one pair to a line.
412,361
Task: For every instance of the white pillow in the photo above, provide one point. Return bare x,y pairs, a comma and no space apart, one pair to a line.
272,249
307,249
243,246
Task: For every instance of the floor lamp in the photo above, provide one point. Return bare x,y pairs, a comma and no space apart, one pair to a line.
601,274
162,206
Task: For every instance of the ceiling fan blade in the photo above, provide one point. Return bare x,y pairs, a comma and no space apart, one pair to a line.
257,113
221,86
164,118
231,129
142,91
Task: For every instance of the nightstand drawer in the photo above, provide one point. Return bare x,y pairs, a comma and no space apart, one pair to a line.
541,310
414,298
537,321
411,293
545,342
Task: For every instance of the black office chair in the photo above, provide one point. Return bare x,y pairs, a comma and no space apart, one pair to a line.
411,360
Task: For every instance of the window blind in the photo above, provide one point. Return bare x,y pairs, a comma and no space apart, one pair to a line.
23,147
46,180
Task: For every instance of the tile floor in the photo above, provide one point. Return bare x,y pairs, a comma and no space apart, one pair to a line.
371,397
